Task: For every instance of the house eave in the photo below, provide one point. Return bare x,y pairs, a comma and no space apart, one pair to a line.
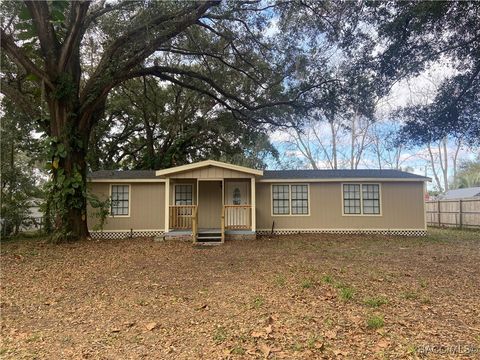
183,168
113,180
306,180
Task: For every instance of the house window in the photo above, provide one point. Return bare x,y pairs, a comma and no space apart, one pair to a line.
120,197
371,198
351,199
184,194
361,199
281,199
299,199
290,199
236,196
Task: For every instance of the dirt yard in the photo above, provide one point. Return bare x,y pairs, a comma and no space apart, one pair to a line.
300,296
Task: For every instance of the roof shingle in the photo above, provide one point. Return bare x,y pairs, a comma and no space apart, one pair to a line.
278,174
123,174
341,174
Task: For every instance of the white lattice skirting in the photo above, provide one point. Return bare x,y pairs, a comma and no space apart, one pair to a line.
125,234
413,232
154,233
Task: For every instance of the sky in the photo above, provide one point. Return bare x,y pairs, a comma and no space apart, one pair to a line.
418,90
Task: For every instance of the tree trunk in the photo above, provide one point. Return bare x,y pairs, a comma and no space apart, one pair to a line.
334,144
77,214
69,147
352,142
148,130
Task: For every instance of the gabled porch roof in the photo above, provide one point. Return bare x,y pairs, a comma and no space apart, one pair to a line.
207,163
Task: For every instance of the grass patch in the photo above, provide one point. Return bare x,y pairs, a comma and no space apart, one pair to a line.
410,295
297,347
238,350
375,322
220,335
311,341
307,283
346,293
327,279
280,280
375,301
328,322
258,302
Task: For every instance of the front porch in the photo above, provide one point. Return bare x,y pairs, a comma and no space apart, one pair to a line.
235,222
209,203
210,236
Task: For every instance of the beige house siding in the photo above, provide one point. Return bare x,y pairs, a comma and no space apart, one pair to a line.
210,172
147,207
401,206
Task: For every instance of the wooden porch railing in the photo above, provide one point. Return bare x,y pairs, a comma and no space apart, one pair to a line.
222,224
195,224
182,217
238,217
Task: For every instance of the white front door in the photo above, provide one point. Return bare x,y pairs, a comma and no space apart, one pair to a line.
237,193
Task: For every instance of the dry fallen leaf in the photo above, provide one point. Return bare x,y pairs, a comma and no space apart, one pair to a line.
338,352
151,326
331,334
256,334
383,344
265,349
268,329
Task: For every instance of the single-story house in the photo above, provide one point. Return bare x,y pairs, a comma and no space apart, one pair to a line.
212,200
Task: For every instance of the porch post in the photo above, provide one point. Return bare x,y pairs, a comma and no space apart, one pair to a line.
252,192
167,204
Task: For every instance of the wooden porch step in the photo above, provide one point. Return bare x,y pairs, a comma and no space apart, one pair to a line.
207,236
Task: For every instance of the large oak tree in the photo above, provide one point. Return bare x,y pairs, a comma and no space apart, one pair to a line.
218,49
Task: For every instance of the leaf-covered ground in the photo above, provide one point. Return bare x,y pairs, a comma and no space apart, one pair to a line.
300,296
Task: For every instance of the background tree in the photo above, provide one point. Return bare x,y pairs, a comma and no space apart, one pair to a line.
414,36
21,178
468,174
158,125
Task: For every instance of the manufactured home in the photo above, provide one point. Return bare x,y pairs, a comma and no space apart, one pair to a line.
211,201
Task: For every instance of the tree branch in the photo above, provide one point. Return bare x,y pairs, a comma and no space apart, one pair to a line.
46,34
74,35
160,71
17,55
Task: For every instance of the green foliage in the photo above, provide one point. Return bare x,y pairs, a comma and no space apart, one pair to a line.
433,33
346,292
468,174
375,301
65,87
19,182
220,335
258,302
307,283
375,322
101,209
158,126
327,279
